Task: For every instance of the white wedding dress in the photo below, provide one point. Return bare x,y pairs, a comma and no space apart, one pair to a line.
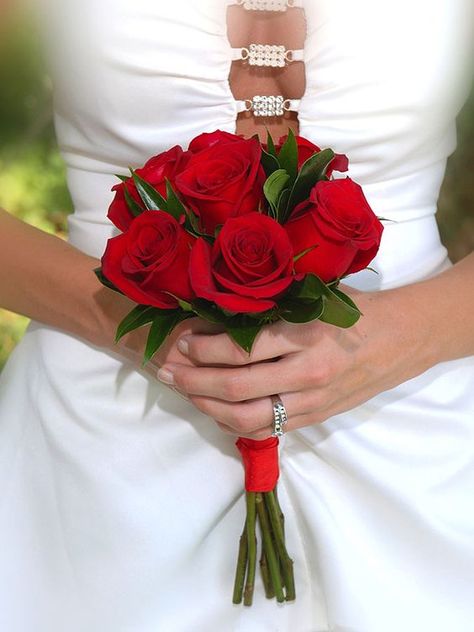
120,504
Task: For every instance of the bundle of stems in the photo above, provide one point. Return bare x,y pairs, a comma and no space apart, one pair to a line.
276,566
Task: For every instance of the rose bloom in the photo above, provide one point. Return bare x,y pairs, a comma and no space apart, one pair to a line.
155,172
247,268
209,139
224,180
339,223
306,149
151,259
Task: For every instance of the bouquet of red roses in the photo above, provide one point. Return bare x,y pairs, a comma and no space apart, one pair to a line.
242,234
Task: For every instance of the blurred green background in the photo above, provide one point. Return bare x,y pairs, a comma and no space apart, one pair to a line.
32,184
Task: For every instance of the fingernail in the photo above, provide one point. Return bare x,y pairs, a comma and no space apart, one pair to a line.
183,345
165,376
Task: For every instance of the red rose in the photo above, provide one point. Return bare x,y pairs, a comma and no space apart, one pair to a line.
306,149
150,259
206,140
225,180
338,220
155,171
247,268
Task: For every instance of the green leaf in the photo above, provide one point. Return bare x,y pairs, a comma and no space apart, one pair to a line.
192,222
151,198
104,280
185,306
122,178
339,310
312,171
174,205
302,312
271,145
208,311
243,332
310,288
132,204
139,316
273,187
344,297
192,226
302,254
288,156
163,323
269,163
283,202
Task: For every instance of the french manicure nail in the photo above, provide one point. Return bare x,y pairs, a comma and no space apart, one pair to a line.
183,346
165,376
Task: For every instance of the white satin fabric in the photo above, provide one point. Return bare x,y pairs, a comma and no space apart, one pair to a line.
121,506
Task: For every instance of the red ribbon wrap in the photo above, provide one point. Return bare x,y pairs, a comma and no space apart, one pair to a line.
260,462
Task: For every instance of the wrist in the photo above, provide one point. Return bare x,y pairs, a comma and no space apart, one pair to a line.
98,309
108,308
418,311
395,327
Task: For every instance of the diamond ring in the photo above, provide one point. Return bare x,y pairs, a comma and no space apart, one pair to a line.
280,416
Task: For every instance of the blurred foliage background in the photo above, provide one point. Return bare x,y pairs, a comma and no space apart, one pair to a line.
32,183
32,179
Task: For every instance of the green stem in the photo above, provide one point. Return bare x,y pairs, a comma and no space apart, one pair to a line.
267,581
241,566
280,512
273,565
252,549
287,562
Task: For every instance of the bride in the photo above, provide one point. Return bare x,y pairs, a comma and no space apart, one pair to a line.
121,489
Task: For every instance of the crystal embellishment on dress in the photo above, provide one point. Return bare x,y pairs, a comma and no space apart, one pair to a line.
267,5
271,55
267,105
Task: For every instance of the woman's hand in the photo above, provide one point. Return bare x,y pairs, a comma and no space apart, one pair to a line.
317,369
132,346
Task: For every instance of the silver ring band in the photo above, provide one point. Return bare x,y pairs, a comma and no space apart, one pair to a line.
280,416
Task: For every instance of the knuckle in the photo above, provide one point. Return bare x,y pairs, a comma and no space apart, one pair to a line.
320,374
320,418
258,435
244,418
234,389
238,422
319,400
201,404
235,417
225,428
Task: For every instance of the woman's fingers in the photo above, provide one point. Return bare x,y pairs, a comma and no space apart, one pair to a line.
258,435
244,418
273,341
242,383
132,345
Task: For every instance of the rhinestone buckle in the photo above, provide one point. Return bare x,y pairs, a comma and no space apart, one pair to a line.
274,105
271,55
267,5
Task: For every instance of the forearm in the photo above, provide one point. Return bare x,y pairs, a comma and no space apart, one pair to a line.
52,282
441,308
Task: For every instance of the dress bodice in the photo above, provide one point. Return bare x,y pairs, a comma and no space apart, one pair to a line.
384,81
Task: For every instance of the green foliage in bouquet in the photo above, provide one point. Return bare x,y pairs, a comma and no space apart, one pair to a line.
306,300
